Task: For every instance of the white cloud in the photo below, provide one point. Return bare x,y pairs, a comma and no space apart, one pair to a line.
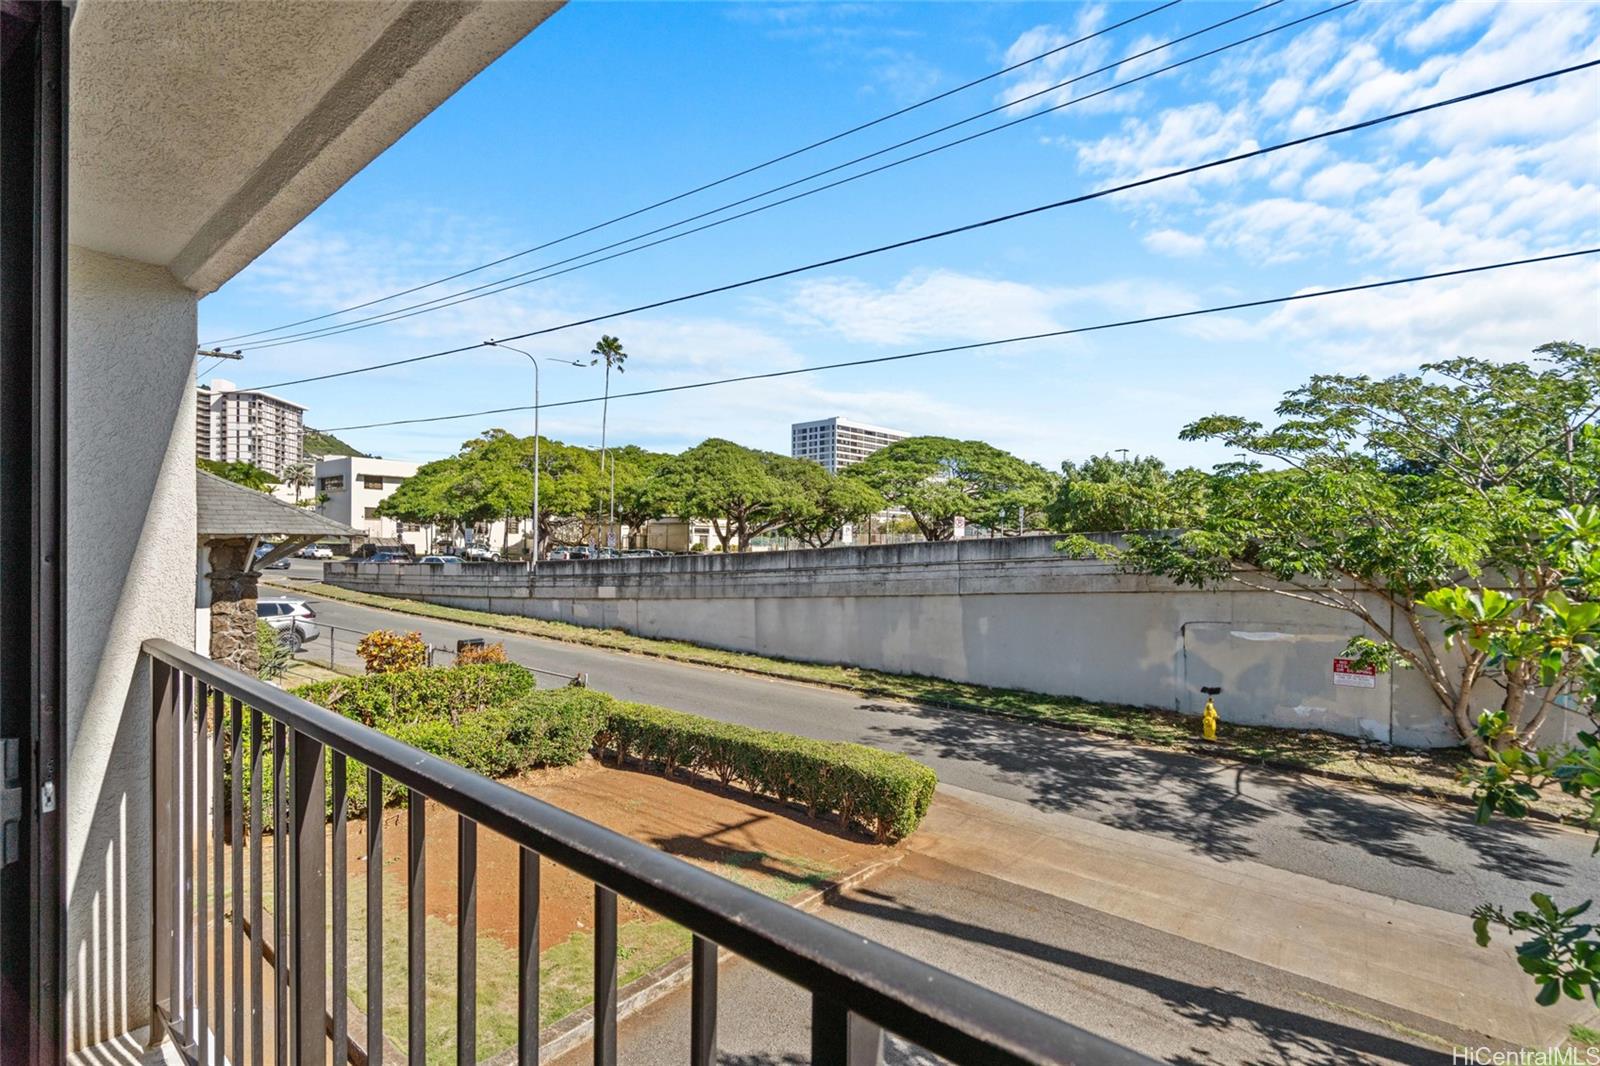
1447,22
1181,137
1498,315
1175,243
941,304
1340,181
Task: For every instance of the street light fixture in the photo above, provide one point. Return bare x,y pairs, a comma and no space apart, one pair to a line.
534,564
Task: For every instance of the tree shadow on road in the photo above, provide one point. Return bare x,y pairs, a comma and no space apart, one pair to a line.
1200,802
1179,797
1388,831
1290,1036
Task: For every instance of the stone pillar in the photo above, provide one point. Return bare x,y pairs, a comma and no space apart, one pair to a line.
233,604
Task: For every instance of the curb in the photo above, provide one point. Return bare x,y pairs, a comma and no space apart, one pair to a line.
1282,766
575,1029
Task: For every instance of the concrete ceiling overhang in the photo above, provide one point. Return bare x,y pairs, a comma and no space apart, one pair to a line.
203,131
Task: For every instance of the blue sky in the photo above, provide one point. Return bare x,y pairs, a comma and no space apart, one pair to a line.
610,106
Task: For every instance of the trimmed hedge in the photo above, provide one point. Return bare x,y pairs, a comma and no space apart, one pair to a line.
887,792
451,694
490,719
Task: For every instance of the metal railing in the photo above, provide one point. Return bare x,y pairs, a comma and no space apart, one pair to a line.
212,727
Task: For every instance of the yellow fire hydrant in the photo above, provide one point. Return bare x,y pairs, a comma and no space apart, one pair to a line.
1208,720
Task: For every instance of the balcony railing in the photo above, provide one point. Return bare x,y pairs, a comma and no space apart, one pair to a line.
213,728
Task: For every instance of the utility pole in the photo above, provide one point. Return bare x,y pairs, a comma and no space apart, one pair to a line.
533,565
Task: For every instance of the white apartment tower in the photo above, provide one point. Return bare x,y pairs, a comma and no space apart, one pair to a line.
837,442
234,425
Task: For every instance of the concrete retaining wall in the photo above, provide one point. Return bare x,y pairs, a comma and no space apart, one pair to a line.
1008,613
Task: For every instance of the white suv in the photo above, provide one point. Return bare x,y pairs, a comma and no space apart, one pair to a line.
293,620
315,551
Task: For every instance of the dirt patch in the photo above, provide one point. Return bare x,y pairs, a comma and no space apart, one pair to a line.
765,847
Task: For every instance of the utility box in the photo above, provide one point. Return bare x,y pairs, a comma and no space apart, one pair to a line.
472,643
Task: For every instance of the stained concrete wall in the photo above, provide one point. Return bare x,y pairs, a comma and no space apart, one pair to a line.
130,545
1009,613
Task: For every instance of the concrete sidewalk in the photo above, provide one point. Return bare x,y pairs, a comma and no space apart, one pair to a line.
1421,960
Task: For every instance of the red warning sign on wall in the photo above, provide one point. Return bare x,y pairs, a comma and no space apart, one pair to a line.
1349,672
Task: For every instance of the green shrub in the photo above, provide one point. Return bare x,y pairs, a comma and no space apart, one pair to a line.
555,727
487,718
272,652
490,719
886,792
381,700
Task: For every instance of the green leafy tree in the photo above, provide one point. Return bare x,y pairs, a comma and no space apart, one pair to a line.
491,477
424,497
939,479
742,492
239,472
570,488
1561,634
1106,495
640,498
495,480
826,503
1392,489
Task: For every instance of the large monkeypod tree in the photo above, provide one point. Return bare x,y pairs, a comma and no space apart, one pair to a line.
1406,502
939,479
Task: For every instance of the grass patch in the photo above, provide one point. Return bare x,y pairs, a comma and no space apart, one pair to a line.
1583,1037
1436,770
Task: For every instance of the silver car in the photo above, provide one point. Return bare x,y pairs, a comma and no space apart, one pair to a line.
293,619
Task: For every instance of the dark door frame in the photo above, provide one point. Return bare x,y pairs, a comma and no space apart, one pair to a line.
33,239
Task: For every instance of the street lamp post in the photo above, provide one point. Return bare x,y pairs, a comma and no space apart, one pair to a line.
534,564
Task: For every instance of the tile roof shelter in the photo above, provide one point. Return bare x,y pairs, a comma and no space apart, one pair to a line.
231,521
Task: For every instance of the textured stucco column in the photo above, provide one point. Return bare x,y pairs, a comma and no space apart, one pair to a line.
233,604
130,576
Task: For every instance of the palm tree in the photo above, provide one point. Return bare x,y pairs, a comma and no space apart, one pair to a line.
299,475
608,348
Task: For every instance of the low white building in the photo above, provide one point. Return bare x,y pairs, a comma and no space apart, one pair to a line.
354,486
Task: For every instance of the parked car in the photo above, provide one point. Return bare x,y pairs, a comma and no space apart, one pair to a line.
262,552
440,560
366,551
315,551
477,553
387,557
293,619
642,553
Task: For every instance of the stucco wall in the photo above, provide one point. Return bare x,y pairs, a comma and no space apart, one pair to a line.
1007,613
130,554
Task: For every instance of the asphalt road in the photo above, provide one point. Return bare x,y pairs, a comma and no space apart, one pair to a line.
1412,850
1168,997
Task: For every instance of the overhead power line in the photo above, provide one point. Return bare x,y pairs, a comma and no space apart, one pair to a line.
1098,327
971,226
547,271
726,178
